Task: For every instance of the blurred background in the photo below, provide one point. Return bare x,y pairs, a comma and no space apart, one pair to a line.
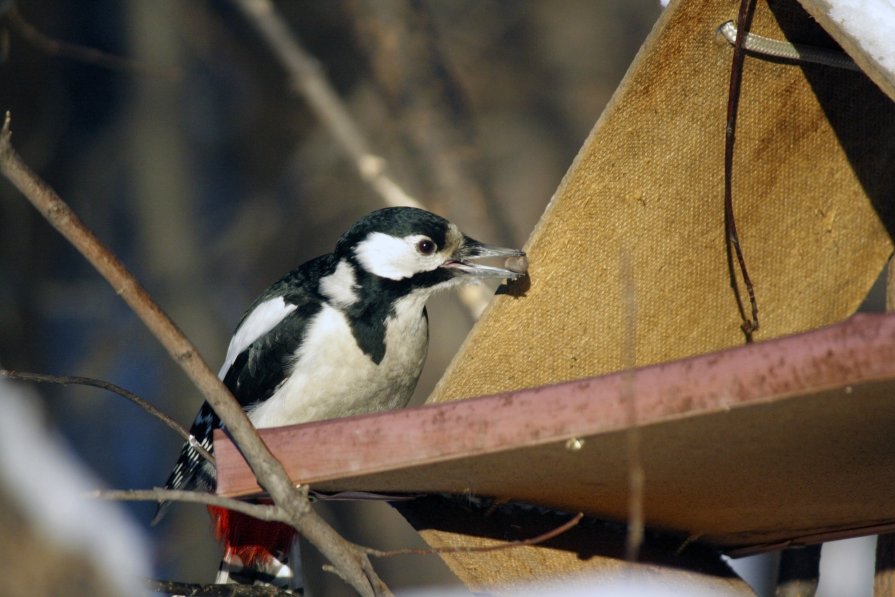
209,176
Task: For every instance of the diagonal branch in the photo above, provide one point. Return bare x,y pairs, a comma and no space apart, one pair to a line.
351,561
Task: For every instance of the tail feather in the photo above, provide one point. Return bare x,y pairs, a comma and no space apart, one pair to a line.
256,552
191,470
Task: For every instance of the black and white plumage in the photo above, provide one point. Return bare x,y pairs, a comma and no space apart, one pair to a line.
343,334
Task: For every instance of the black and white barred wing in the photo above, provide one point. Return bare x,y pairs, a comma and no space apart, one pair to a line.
254,366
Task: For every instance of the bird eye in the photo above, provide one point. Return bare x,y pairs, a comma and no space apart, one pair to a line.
425,246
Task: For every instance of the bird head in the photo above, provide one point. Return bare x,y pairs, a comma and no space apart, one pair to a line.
405,243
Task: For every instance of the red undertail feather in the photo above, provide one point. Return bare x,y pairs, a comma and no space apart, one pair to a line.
254,544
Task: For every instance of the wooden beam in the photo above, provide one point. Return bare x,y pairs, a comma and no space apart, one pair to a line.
719,434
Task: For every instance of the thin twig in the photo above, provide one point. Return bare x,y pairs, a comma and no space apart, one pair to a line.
267,512
542,538
268,470
750,324
333,570
55,47
109,386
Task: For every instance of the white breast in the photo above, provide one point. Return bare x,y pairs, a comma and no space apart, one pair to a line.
332,377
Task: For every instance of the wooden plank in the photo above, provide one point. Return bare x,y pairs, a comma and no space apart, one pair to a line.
788,440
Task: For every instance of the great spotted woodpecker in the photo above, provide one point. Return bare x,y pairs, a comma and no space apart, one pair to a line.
343,334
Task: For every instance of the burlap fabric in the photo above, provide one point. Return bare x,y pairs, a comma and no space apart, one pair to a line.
628,264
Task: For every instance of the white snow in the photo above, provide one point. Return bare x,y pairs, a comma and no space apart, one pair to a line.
872,24
49,484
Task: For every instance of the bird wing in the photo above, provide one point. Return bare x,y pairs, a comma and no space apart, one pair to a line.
265,315
271,331
258,370
256,362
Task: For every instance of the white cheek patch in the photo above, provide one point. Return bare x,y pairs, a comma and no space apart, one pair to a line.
261,320
340,286
394,258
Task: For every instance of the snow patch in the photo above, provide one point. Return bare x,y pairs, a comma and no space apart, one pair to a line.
872,24
50,484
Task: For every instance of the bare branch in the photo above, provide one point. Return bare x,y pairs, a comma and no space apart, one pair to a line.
266,512
54,47
481,548
60,215
271,475
106,385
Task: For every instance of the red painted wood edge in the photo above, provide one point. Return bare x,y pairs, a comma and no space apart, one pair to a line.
858,350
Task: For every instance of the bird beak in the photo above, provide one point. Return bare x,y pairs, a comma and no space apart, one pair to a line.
461,261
